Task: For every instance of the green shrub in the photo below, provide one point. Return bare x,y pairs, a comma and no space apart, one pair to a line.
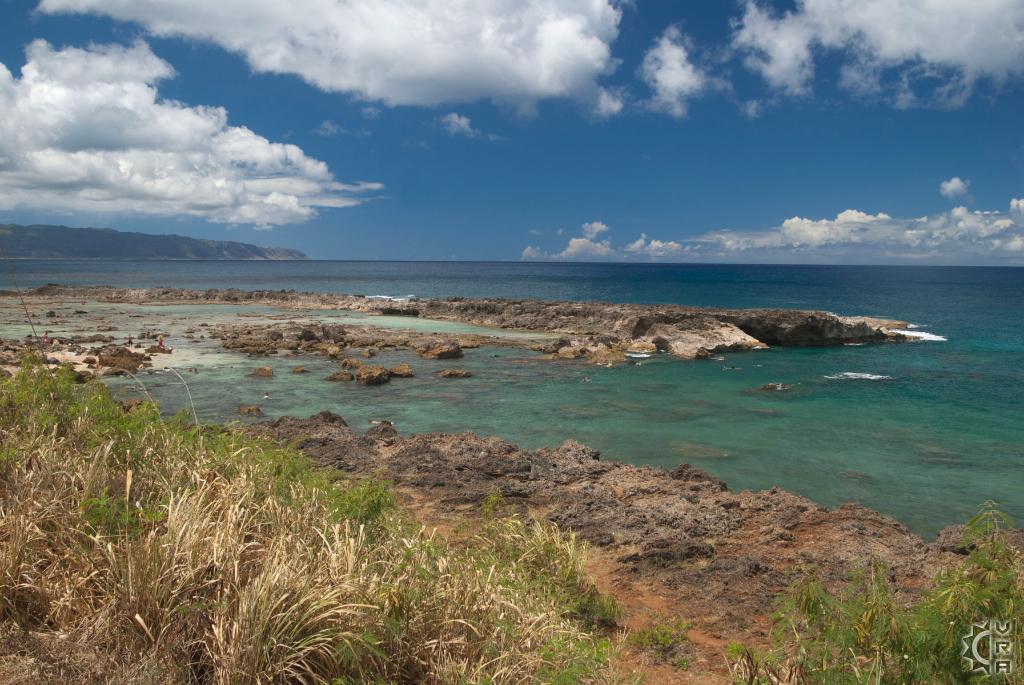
665,639
863,632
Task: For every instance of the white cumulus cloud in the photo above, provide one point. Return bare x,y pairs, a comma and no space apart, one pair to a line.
668,71
654,248
918,43
957,235
401,52
585,248
592,229
85,130
954,187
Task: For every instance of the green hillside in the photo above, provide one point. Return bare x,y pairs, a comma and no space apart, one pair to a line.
54,242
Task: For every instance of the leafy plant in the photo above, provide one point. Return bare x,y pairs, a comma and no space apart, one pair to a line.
864,632
665,639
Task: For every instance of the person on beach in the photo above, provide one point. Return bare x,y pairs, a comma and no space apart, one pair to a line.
46,339
160,341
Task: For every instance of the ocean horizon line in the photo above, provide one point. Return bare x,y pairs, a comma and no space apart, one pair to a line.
522,262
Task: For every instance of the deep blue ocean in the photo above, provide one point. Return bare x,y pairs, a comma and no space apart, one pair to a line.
929,432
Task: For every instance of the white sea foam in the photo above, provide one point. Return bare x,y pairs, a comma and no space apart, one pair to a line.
854,376
918,335
391,298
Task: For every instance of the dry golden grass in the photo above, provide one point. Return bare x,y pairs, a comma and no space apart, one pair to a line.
138,550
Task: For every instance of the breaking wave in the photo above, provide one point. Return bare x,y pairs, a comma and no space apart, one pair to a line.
921,335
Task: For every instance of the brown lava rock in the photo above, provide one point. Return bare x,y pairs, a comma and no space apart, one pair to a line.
340,376
372,375
401,371
454,373
121,358
439,349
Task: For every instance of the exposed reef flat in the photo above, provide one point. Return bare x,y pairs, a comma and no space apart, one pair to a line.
597,331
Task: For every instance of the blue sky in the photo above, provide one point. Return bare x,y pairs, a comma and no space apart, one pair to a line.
501,129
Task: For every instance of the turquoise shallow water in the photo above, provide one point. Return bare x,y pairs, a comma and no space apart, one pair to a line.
928,445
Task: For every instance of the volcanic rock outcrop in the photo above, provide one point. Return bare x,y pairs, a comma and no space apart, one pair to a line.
722,556
600,331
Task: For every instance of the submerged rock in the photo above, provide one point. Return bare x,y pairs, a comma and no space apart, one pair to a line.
341,376
454,373
249,410
263,372
775,387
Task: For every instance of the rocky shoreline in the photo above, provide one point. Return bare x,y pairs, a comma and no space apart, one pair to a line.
595,331
677,542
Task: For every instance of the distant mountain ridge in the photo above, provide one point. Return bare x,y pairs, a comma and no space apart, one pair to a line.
62,242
